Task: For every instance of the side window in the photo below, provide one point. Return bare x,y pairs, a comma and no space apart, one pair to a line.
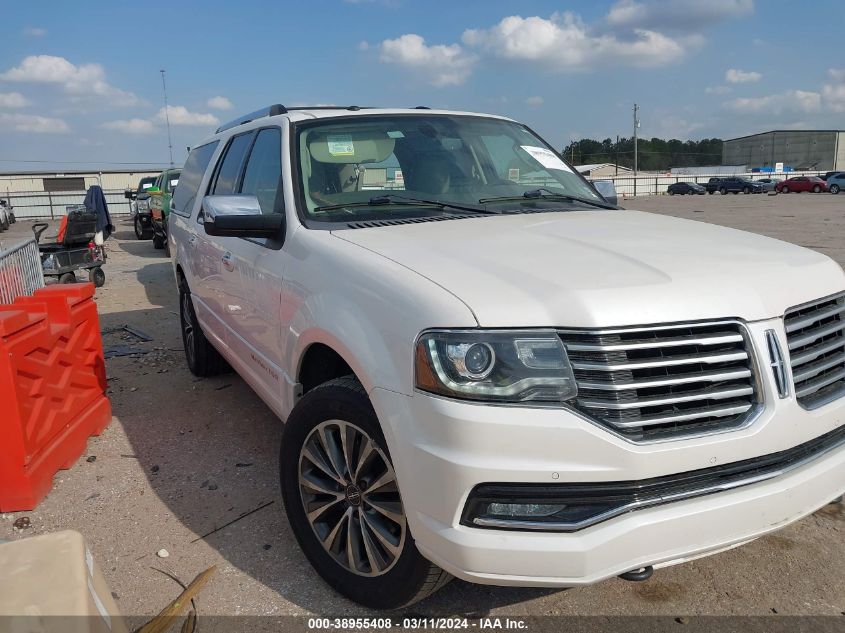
190,179
264,169
230,167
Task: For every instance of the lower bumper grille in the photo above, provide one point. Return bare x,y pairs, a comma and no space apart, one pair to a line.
815,334
667,381
575,506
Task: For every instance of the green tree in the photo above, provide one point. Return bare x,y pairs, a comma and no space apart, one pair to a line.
654,154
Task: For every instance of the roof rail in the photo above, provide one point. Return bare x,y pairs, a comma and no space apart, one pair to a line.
272,110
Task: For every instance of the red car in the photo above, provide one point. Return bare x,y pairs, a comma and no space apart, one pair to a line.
797,184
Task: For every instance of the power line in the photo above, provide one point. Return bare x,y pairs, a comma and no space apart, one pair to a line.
77,162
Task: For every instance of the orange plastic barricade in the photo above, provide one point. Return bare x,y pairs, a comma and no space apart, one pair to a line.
52,389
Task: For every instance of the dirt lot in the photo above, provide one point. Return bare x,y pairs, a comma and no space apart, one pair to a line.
185,457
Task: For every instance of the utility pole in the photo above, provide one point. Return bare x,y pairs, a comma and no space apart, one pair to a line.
636,126
617,154
167,117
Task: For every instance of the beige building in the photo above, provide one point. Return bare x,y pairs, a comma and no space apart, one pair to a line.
602,170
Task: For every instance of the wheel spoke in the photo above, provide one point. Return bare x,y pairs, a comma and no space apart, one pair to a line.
348,446
333,451
364,455
381,482
321,462
328,542
377,561
317,513
308,480
390,509
384,537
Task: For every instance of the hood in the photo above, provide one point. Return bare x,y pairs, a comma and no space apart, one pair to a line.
604,268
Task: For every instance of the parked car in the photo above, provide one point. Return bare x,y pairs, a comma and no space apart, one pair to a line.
797,184
485,379
685,188
826,176
836,183
160,195
139,207
732,184
768,184
5,219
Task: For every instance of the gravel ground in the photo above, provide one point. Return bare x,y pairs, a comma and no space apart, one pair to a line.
184,458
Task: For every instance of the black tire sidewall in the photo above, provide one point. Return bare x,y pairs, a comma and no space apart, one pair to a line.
337,401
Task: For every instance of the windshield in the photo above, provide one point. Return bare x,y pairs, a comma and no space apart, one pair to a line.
447,159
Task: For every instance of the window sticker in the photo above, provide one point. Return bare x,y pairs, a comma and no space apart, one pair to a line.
395,134
341,145
546,158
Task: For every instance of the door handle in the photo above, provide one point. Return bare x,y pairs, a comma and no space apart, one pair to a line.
192,240
228,262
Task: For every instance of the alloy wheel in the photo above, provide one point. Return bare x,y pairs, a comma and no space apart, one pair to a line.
188,328
351,498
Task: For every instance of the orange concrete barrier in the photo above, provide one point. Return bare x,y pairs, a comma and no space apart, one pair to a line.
52,389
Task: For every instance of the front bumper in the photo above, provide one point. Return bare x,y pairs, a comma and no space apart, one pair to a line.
442,449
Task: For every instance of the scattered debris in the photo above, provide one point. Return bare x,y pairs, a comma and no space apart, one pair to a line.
682,620
123,350
243,464
212,486
22,523
91,459
267,546
93,496
164,620
155,469
162,553
222,387
129,456
138,333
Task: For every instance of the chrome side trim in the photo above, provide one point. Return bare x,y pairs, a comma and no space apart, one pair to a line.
777,364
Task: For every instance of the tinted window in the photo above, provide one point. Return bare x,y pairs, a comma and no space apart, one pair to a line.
264,169
230,168
190,179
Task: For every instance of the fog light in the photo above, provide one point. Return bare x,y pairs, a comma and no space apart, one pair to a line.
527,510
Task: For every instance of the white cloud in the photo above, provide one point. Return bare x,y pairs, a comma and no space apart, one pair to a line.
717,90
131,126
441,65
676,15
735,76
564,42
535,101
790,101
80,81
180,115
219,103
833,93
33,123
33,31
12,100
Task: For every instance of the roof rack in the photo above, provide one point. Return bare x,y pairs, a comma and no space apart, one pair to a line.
278,108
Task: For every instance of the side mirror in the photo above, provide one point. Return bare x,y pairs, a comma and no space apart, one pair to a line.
607,190
239,216
128,194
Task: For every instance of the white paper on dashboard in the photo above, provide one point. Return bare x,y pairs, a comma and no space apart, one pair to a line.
546,158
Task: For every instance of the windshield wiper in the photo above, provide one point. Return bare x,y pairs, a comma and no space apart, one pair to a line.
392,198
547,194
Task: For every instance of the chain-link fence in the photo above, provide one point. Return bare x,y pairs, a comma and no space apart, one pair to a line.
20,271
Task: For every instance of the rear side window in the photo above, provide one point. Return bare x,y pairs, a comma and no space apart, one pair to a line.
230,166
190,179
264,170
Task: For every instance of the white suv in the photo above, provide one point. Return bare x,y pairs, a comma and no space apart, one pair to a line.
488,371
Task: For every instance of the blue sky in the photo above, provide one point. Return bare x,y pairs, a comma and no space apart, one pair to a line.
80,83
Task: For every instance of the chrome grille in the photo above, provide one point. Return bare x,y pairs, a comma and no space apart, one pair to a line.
815,334
667,381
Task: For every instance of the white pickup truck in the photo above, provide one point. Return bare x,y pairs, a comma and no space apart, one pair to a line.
486,369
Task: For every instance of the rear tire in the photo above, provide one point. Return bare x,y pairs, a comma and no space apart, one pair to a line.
203,359
361,568
671,193
67,278
784,189
158,241
723,191
817,189
746,190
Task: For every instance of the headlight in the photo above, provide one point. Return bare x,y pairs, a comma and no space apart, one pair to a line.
143,205
498,366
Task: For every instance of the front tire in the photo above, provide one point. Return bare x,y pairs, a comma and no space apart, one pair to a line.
746,190
97,276
158,241
834,188
203,359
723,191
671,193
142,232
784,189
817,189
343,502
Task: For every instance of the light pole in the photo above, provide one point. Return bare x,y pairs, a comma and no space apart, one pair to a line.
636,126
167,117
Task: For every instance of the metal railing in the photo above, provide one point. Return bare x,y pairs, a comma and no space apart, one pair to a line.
20,271
51,204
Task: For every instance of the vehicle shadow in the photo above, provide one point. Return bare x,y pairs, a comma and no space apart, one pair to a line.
208,449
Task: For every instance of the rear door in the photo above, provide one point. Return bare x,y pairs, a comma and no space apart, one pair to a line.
259,266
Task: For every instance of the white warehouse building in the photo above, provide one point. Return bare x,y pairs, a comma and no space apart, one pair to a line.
816,150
